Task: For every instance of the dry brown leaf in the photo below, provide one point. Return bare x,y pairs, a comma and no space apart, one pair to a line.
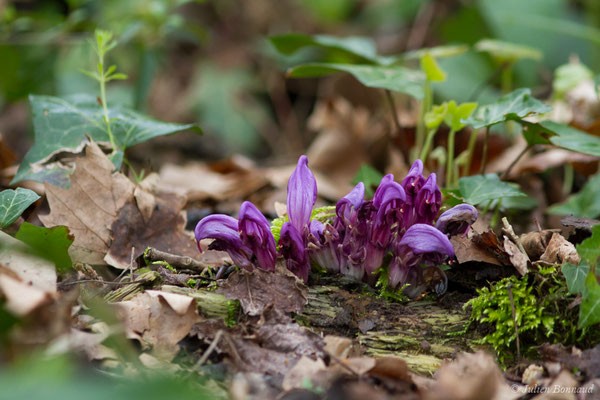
552,158
150,220
535,243
466,250
560,250
471,376
20,298
340,347
563,387
258,290
306,368
519,260
90,206
33,270
150,318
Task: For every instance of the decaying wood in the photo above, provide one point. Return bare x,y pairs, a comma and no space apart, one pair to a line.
176,261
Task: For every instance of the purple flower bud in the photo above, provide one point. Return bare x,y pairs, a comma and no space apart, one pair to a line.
413,182
224,229
457,220
301,195
256,234
291,245
385,181
347,207
324,246
424,244
428,201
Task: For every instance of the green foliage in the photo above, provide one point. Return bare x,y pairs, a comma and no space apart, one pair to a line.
370,177
433,72
456,113
479,189
507,52
394,78
320,214
511,107
572,139
586,203
63,124
437,52
540,301
49,243
568,76
575,276
589,310
589,249
13,203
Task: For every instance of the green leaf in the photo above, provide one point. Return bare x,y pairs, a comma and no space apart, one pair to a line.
369,176
61,125
513,106
589,311
589,249
397,79
362,48
573,139
447,51
436,116
506,51
478,189
457,113
568,76
586,203
49,243
433,71
575,276
13,203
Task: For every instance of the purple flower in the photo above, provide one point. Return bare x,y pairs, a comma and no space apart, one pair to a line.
347,207
224,229
421,244
301,195
294,251
428,201
457,220
256,234
248,241
413,182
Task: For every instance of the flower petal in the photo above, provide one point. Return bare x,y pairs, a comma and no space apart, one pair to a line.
301,194
224,229
457,220
256,234
423,238
292,248
413,181
347,207
428,201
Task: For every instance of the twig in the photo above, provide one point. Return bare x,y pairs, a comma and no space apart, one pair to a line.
399,131
176,261
541,233
521,154
210,349
510,232
514,315
95,281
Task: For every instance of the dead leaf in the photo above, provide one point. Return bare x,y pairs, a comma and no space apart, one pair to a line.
150,220
20,298
34,271
471,376
90,206
340,347
306,368
560,250
563,387
466,250
517,258
259,289
552,158
158,322
535,243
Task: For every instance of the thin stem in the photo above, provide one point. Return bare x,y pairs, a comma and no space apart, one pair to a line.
496,216
514,316
424,109
568,180
506,78
485,150
450,158
102,80
399,130
427,145
521,154
136,177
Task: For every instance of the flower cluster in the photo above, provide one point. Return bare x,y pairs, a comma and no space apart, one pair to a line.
398,224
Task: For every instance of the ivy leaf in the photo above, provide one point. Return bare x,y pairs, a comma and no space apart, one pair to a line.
568,76
361,48
586,203
397,79
573,139
513,106
369,176
575,276
49,243
478,189
61,125
13,203
589,249
589,311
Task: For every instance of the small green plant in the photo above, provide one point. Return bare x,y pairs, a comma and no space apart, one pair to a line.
540,302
